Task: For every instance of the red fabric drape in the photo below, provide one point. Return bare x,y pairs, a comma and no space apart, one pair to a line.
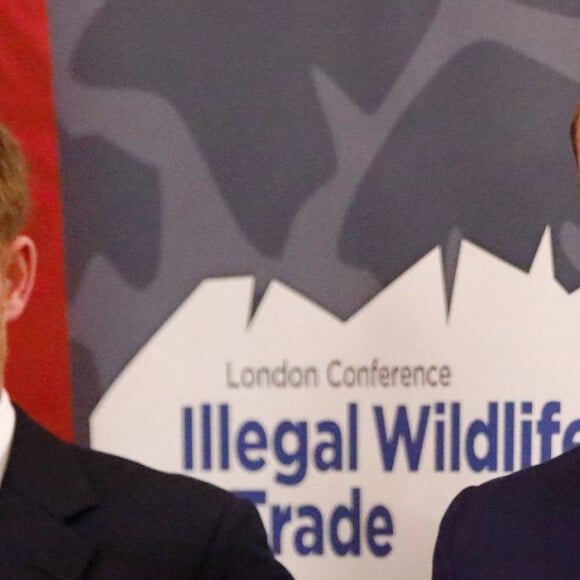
38,374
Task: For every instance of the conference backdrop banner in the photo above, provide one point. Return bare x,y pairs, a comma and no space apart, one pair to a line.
324,254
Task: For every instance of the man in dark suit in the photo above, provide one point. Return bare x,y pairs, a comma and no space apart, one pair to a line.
524,526
69,513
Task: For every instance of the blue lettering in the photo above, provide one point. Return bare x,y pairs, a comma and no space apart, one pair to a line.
547,427
297,457
332,448
251,437
488,431
402,430
350,514
379,527
315,531
570,435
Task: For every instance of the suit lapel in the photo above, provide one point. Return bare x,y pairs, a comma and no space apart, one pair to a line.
44,486
37,542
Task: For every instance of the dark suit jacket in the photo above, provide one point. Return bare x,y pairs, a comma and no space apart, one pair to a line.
68,513
524,526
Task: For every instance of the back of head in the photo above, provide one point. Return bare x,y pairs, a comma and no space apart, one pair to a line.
14,200
575,134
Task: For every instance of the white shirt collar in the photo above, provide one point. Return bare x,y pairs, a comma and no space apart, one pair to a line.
7,426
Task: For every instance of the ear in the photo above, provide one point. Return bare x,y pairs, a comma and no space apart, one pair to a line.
19,276
576,137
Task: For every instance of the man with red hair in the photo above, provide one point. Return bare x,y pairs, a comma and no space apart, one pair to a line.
72,514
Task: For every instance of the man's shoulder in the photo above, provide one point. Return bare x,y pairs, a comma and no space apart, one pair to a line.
507,524
205,526
543,484
177,506
112,478
521,499
64,477
111,474
150,519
